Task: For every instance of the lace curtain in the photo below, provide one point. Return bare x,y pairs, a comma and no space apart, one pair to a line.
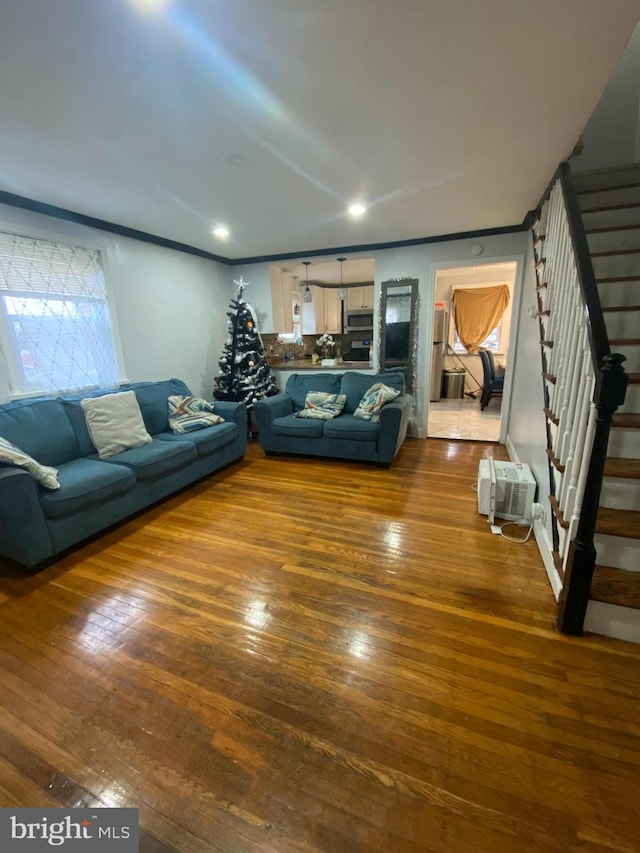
56,317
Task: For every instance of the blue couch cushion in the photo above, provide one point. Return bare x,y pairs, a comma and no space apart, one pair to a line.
348,426
41,428
85,483
154,460
153,401
298,384
354,385
290,425
206,440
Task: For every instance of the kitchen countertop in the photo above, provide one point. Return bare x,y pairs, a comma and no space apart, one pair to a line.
306,364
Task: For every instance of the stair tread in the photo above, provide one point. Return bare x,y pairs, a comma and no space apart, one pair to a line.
626,420
617,466
616,586
555,508
605,229
611,252
610,188
618,522
607,207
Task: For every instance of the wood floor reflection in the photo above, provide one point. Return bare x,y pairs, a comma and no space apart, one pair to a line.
310,655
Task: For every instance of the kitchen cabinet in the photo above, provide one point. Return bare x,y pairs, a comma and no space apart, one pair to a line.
286,303
326,314
323,315
332,311
359,297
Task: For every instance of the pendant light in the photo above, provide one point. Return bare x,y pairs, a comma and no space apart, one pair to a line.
341,291
308,297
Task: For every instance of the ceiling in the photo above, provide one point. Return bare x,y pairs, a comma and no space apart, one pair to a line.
271,116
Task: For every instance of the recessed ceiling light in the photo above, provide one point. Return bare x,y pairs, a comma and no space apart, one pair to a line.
357,209
221,231
232,159
150,5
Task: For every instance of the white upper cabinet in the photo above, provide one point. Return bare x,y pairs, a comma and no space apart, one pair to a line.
359,297
332,312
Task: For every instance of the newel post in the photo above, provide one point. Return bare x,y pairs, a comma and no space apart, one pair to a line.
609,393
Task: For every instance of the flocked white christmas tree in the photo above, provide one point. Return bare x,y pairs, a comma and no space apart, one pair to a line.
244,374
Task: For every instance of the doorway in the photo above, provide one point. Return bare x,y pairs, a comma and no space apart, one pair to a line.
457,376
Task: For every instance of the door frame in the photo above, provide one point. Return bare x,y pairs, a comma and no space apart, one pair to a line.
518,278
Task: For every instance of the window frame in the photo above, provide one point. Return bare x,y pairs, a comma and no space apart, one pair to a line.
105,249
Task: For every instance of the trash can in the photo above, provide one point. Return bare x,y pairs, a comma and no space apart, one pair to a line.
453,383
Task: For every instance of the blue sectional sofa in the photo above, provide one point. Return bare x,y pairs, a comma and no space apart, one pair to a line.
37,524
343,437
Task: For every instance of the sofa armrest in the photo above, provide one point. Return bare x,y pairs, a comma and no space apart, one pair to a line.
267,410
394,422
236,413
273,407
24,536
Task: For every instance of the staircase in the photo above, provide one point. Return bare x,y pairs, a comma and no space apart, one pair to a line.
610,205
587,246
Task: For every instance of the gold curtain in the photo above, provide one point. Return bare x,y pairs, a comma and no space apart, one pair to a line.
477,311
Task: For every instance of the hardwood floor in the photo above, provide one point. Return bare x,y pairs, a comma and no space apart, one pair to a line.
305,655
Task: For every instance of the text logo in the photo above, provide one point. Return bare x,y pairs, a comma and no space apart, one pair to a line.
73,830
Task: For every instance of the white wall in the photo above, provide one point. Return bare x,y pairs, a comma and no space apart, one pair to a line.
418,262
612,134
170,307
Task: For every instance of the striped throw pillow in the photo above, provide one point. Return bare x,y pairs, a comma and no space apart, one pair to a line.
187,414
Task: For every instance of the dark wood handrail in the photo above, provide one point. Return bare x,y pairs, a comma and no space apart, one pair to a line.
597,330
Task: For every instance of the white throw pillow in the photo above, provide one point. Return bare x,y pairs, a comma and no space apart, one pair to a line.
115,423
12,455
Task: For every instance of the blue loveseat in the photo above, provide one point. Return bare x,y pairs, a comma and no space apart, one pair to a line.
343,437
37,524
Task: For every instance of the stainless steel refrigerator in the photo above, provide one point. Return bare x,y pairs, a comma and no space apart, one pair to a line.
438,350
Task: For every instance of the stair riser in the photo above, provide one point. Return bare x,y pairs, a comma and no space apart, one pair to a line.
616,265
614,293
623,324
607,198
620,493
632,399
612,218
618,553
606,177
624,443
612,241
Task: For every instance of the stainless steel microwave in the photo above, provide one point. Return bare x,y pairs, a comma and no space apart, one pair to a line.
359,320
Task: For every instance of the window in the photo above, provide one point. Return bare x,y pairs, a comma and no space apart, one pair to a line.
57,327
491,342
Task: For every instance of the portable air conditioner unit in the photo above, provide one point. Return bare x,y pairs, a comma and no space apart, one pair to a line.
506,490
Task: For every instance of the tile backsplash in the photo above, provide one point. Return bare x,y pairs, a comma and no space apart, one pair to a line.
273,346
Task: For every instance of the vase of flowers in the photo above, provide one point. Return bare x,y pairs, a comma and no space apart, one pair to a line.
328,349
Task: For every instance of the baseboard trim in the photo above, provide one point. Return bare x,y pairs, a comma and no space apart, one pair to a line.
546,552
541,536
511,450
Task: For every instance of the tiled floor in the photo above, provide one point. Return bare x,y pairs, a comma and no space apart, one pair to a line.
463,419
